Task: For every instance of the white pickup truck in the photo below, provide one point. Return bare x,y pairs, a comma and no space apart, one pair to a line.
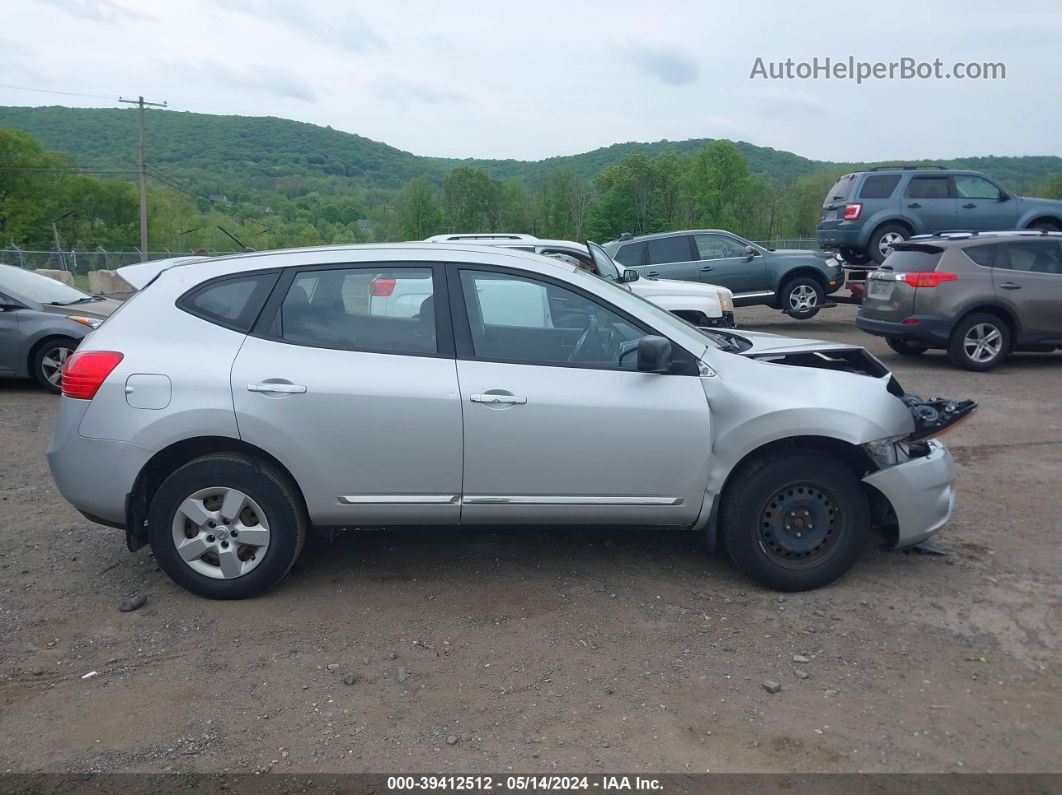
705,305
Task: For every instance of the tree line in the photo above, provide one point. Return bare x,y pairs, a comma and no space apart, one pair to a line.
43,196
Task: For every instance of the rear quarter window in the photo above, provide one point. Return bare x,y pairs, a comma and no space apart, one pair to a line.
879,186
841,189
233,302
982,255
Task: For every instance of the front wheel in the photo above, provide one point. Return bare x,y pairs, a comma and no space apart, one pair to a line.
802,298
48,362
905,347
227,526
979,342
794,521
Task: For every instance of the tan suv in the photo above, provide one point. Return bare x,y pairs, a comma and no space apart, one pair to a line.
979,296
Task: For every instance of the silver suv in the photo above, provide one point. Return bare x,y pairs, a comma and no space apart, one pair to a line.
236,402
978,296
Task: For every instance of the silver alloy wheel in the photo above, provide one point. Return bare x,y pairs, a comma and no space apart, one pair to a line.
887,241
803,297
52,364
220,532
983,343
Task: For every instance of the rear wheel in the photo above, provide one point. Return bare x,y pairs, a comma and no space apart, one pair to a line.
979,342
794,521
1047,226
906,347
884,238
226,526
855,256
48,361
802,297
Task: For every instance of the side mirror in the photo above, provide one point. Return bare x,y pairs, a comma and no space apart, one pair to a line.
654,355
630,275
1003,196
750,252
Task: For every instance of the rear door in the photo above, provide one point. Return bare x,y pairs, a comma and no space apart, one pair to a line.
929,202
356,394
723,260
558,426
672,257
983,205
1027,276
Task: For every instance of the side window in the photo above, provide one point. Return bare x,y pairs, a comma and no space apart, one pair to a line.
361,309
233,303
717,247
1032,256
879,186
969,187
630,254
983,255
669,249
928,188
525,321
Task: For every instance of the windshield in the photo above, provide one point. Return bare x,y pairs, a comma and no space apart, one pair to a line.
39,288
606,268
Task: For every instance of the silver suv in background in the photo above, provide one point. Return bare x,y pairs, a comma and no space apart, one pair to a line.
239,401
978,296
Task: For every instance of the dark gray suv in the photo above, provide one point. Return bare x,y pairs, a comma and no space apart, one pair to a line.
867,212
979,296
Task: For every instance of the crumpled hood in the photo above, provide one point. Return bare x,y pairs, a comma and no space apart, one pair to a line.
763,342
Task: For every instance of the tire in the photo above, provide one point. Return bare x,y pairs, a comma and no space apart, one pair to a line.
855,256
271,514
906,347
48,359
994,335
883,237
771,497
1047,226
802,297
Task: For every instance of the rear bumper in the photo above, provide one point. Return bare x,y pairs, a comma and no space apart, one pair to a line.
838,237
921,492
94,475
925,328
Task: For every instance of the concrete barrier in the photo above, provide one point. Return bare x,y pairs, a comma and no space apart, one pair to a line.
66,277
108,283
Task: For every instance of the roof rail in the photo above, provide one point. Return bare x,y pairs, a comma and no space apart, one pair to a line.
461,236
906,167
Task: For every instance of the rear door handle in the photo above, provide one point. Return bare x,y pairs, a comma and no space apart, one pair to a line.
281,389
969,205
1010,286
515,400
914,205
707,268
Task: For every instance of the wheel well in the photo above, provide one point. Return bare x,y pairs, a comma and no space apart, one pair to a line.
40,343
1045,219
802,272
998,311
168,460
897,222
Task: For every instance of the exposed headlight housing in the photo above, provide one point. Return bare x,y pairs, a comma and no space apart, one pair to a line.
726,300
889,451
91,322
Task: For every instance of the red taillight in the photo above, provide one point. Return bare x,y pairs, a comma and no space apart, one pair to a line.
929,278
86,371
852,211
383,288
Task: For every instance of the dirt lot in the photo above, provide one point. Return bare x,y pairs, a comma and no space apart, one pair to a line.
554,651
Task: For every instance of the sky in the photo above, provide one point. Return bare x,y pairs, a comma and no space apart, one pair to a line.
530,80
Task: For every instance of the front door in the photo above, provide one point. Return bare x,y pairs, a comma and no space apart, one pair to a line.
1027,277
723,260
982,205
353,385
559,427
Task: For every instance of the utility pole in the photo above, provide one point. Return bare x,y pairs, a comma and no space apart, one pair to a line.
139,101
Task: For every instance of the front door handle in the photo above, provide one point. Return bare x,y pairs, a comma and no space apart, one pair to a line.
1010,286
969,205
914,205
281,389
653,273
489,397
707,268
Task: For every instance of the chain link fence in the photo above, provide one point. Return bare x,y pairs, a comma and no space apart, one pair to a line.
79,260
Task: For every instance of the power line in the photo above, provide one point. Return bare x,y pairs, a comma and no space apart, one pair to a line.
69,169
64,93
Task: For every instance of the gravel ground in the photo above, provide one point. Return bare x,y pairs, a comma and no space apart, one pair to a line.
553,651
